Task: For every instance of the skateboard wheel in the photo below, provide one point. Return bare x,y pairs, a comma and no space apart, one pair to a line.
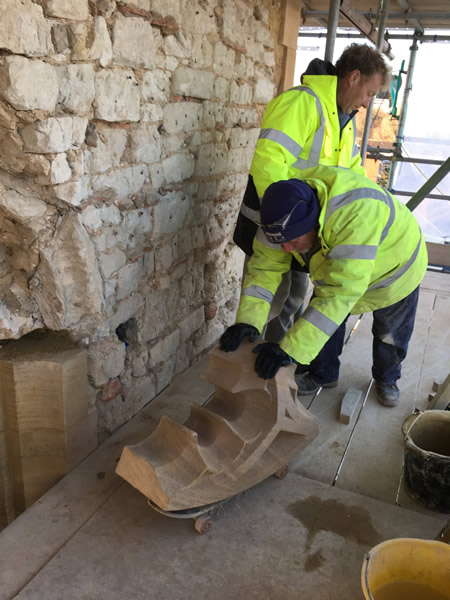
203,524
281,473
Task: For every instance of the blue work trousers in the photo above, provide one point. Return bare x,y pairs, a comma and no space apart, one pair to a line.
392,329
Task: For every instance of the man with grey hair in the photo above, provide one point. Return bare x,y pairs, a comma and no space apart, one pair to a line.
308,125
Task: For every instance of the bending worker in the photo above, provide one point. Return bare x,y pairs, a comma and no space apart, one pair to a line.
305,126
365,252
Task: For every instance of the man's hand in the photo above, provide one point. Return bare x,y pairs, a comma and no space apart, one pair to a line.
270,358
234,335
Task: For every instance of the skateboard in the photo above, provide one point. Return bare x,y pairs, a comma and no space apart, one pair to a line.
203,515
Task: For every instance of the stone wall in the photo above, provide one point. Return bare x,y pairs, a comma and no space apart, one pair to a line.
126,133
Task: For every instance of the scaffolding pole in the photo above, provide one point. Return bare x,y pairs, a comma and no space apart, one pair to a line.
402,120
384,7
429,185
391,36
333,18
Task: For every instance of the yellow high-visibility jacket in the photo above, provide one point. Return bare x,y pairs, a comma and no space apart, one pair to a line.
300,129
372,254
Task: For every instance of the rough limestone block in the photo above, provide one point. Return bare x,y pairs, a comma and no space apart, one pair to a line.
264,91
262,34
247,431
128,279
73,192
240,116
122,182
79,126
164,349
182,117
110,263
349,403
117,95
67,285
224,58
60,37
24,29
239,158
165,8
106,360
76,87
170,213
194,83
202,52
196,17
243,138
133,43
192,323
60,170
244,67
76,10
156,86
151,112
91,41
18,320
240,94
221,88
45,400
213,113
137,221
109,150
212,160
51,135
178,167
20,206
145,143
33,84
237,17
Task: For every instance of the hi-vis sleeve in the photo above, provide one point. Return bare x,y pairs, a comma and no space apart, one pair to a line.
264,273
342,271
292,129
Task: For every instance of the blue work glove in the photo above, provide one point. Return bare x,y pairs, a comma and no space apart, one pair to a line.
270,358
234,335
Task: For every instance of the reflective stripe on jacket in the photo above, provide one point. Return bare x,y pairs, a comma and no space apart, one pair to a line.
300,129
372,255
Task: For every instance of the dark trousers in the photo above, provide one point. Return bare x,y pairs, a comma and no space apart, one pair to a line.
392,329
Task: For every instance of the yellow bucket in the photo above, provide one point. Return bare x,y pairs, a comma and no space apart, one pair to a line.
407,568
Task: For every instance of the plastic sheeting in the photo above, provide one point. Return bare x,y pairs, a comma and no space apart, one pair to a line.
432,215
427,135
427,129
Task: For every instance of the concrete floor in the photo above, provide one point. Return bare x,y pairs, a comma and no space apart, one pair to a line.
93,536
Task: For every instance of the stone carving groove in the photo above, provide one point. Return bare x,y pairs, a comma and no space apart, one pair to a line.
247,431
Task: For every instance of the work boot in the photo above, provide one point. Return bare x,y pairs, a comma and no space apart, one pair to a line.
300,369
388,395
308,385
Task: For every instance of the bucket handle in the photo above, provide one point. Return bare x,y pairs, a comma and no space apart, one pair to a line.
365,574
410,420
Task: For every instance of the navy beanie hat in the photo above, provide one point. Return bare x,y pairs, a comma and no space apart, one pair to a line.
289,209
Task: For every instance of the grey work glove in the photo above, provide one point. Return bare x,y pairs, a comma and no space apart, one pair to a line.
233,336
